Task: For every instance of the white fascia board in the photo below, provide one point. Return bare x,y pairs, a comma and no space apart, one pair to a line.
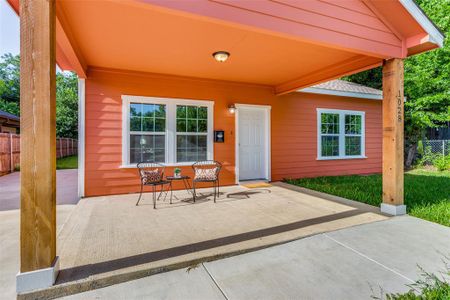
436,37
314,90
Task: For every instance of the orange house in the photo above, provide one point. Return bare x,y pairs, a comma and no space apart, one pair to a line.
132,117
155,84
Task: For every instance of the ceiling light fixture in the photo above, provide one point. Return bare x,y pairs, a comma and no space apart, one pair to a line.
221,56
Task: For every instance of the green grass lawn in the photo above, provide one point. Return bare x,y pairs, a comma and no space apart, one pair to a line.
68,162
427,193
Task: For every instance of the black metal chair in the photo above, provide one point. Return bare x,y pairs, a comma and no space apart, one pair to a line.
152,174
207,171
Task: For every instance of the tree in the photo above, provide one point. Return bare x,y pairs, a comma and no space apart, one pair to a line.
10,76
10,83
427,82
66,105
66,95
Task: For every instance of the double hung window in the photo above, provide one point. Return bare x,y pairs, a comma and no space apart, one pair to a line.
341,134
162,130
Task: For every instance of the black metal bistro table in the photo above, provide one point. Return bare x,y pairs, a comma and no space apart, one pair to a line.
185,179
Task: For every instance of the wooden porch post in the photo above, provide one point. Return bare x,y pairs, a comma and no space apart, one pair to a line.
393,124
38,148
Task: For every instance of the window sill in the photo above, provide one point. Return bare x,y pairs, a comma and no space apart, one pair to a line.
342,157
182,164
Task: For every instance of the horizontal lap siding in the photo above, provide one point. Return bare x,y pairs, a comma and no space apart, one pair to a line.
294,137
294,132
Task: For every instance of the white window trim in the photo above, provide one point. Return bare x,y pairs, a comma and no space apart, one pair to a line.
342,135
81,135
171,105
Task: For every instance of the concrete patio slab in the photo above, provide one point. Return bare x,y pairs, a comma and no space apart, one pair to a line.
109,240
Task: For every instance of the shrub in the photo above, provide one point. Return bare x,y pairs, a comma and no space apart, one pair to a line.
428,287
441,163
427,156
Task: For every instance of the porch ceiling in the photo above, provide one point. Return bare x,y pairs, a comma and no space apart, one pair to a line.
284,43
139,37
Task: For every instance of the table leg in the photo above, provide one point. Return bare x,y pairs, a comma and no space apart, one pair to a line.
188,187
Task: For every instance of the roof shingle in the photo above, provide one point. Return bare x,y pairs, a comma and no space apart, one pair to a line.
344,88
7,115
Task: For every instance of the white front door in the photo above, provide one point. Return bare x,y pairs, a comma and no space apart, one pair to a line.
252,143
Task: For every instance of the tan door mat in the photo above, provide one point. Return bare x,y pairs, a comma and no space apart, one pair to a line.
255,185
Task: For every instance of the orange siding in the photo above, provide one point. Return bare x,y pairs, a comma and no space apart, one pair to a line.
294,132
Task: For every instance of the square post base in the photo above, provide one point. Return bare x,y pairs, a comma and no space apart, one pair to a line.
393,210
38,279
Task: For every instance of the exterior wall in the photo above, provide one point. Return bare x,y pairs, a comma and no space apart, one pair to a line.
293,116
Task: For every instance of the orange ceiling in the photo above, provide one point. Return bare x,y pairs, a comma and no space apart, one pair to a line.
140,37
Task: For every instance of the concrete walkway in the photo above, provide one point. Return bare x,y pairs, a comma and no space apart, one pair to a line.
66,189
66,197
351,263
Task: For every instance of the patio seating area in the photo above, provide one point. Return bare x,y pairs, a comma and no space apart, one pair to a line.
109,239
153,174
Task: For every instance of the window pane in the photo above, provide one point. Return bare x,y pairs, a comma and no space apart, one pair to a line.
203,113
192,112
143,117
192,119
191,148
330,123
181,125
135,155
160,141
135,109
181,112
160,155
138,141
202,147
160,111
353,124
147,148
352,145
330,146
182,141
192,141
202,140
160,125
135,124
192,126
202,126
148,110
147,124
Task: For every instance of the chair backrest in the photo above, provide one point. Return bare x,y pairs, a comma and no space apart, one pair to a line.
150,171
206,169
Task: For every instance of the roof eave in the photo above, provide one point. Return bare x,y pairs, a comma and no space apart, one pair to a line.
435,35
313,90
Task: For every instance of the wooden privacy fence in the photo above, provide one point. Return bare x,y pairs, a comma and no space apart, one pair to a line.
10,151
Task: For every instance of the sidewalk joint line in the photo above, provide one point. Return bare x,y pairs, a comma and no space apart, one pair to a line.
371,259
215,282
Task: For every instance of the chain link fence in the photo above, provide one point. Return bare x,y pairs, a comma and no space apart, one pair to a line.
434,152
437,147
